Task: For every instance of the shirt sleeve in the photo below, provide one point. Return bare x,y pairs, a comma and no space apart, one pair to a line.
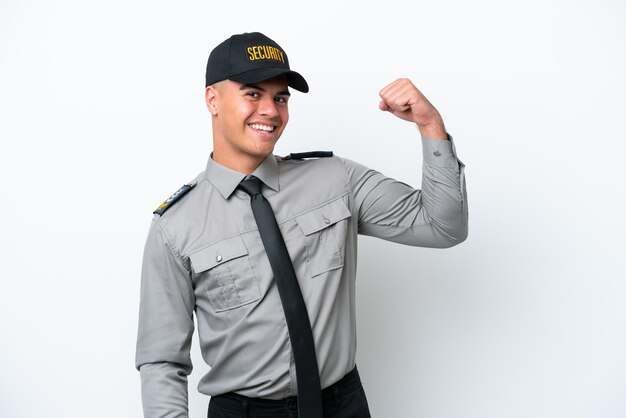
165,329
435,216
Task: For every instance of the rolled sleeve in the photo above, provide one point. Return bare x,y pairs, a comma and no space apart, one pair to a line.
165,328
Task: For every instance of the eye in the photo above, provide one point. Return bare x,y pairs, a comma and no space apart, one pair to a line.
281,100
253,94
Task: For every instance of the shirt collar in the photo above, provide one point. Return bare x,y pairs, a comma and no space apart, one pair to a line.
227,180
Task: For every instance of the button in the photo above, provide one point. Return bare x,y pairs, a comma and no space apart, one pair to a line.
436,153
326,220
218,258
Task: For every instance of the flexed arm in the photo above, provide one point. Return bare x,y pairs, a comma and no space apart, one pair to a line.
433,216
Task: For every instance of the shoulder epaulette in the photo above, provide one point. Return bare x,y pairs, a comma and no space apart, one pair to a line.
310,154
174,198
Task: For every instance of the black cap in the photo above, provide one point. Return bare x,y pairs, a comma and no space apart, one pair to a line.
251,58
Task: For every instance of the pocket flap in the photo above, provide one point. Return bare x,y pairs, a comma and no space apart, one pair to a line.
323,217
218,253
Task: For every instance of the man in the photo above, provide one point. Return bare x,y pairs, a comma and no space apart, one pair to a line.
208,249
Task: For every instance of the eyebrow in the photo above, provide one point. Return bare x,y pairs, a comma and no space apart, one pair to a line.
255,87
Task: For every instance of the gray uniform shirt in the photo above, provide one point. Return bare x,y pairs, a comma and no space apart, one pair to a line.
205,255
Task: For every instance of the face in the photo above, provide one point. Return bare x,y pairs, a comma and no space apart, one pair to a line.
248,119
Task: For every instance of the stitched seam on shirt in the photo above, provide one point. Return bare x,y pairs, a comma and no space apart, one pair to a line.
256,278
175,252
220,283
234,285
351,200
307,257
336,241
175,249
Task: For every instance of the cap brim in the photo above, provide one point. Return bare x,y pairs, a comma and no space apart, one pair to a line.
257,75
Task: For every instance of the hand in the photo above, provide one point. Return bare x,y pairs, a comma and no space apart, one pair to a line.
405,101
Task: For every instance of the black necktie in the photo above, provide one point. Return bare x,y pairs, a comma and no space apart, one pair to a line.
298,324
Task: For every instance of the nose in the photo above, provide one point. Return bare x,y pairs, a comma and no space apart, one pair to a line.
267,107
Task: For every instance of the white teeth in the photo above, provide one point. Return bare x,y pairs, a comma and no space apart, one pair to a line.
260,127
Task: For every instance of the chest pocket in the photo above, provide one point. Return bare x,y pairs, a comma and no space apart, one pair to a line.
325,230
224,271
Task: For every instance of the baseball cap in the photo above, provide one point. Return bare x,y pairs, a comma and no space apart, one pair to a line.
251,57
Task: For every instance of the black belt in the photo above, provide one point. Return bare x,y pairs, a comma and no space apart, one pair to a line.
351,382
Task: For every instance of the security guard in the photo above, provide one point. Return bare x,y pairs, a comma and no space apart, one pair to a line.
204,252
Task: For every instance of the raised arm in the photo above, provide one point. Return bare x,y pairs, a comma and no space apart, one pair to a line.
435,216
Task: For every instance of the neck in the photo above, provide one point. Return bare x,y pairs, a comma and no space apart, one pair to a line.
245,165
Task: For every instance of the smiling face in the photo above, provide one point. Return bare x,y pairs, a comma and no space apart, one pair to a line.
248,119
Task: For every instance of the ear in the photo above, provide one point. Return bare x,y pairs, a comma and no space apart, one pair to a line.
210,97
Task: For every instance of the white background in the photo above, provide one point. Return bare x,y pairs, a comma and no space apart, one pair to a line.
102,118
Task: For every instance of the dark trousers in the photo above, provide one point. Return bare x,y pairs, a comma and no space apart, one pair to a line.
344,399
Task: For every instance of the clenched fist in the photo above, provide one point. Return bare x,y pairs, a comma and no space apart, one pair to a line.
405,101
